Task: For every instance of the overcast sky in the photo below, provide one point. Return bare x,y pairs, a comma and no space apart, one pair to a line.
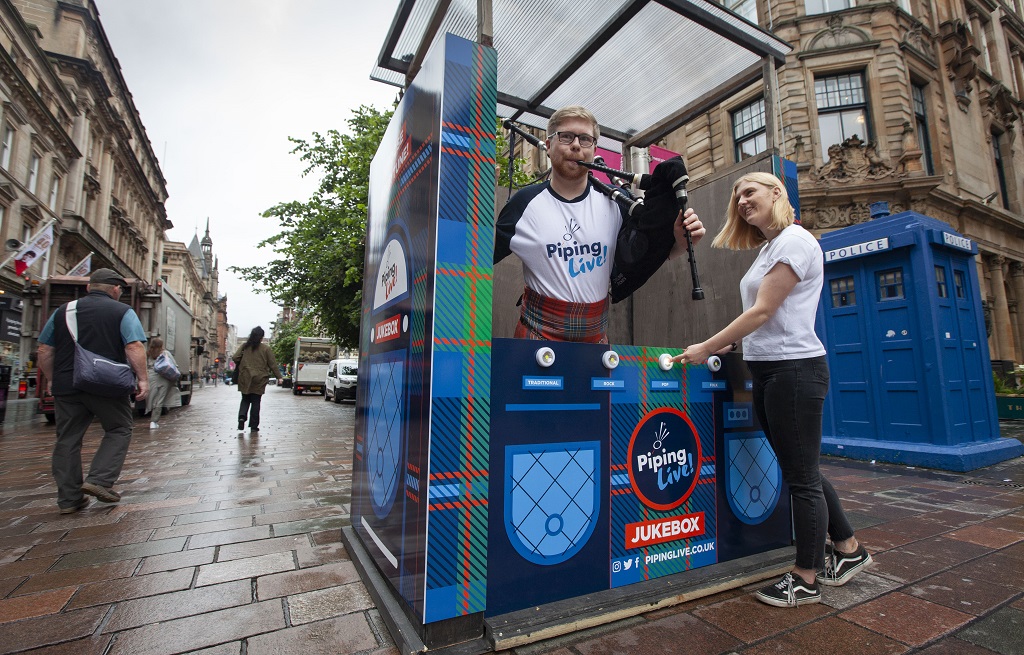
220,86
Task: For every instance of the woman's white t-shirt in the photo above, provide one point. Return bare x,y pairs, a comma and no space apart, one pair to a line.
789,333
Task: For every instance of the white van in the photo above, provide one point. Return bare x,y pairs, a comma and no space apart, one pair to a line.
341,380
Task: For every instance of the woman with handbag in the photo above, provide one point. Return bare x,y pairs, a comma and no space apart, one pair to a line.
255,364
163,384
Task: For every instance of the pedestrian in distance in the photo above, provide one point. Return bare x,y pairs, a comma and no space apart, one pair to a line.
256,365
163,392
787,362
567,235
111,330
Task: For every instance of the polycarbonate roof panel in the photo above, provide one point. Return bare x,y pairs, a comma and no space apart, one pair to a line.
634,63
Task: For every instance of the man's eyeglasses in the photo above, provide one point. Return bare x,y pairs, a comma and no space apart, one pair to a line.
566,138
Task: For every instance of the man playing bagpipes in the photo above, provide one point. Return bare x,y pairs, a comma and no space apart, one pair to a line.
576,243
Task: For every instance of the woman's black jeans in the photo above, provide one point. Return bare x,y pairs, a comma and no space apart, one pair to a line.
788,399
251,406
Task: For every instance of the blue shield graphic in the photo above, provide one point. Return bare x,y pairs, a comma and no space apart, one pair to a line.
385,428
551,499
752,476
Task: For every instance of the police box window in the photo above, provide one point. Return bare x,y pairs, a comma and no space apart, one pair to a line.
843,292
940,282
960,285
890,284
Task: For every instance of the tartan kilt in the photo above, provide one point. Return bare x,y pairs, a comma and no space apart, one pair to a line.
549,319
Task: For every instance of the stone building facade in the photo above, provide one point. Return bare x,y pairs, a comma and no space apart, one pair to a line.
913,102
73,152
192,272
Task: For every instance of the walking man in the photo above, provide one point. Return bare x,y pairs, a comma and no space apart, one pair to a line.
110,329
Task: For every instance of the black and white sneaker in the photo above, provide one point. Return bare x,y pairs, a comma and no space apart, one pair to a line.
840,566
790,591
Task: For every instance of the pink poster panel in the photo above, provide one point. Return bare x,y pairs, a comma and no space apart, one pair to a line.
614,159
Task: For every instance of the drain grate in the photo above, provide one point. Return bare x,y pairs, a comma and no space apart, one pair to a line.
988,483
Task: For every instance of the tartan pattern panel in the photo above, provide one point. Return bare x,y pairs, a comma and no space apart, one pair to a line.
456,575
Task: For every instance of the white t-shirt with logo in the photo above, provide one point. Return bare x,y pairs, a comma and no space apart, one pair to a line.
567,246
789,333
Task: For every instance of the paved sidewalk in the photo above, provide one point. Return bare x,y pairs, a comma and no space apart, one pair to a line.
230,545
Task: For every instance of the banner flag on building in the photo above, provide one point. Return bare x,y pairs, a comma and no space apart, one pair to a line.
33,250
83,268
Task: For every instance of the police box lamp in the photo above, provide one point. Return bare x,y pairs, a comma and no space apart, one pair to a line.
879,209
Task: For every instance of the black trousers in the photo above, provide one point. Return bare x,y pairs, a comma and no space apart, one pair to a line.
250,405
788,399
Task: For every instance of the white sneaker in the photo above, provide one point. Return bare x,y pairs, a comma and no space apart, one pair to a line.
153,426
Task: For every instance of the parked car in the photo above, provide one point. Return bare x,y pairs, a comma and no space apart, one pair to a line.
341,380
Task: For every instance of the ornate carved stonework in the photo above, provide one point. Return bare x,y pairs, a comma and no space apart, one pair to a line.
798,149
916,40
961,55
839,215
997,104
910,160
854,161
837,35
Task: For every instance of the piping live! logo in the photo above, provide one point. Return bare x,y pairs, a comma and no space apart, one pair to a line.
664,464
669,467
579,257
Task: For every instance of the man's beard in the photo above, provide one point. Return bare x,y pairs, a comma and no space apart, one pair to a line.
572,171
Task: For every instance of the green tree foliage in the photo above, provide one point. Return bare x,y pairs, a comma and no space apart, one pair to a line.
519,177
285,334
319,251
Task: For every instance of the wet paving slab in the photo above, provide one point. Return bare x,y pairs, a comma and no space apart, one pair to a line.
228,543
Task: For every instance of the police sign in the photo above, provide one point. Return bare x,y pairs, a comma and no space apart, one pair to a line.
858,249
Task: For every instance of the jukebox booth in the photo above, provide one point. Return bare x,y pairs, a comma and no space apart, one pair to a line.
911,376
507,490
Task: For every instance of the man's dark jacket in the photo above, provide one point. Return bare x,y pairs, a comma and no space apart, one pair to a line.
99,331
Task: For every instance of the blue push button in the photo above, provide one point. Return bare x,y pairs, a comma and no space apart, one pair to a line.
542,383
664,385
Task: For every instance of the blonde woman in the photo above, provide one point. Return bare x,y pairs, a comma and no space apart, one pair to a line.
163,392
787,361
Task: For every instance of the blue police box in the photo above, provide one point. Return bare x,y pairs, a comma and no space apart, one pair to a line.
901,317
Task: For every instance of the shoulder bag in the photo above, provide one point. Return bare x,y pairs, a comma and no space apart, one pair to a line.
93,373
165,368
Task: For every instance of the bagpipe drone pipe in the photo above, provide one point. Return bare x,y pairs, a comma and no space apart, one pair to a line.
647,236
